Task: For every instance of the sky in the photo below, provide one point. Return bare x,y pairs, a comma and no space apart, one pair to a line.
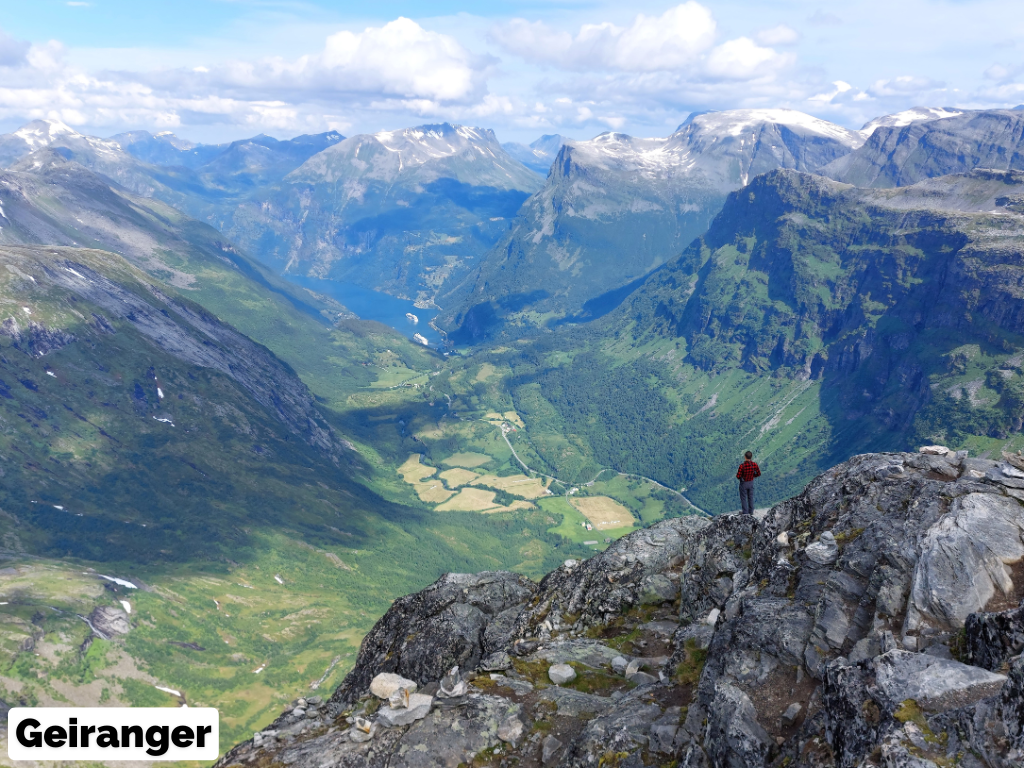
226,69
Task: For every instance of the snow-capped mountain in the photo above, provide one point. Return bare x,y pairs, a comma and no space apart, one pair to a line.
398,210
911,149
417,155
615,207
47,133
539,155
908,116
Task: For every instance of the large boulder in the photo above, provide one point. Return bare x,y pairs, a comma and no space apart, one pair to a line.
424,635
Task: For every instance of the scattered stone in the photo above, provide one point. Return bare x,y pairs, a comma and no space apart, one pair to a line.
419,707
549,749
791,714
561,674
399,699
665,628
362,730
641,678
510,730
452,685
825,551
386,683
619,665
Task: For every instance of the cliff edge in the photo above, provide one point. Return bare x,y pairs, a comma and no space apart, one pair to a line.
874,620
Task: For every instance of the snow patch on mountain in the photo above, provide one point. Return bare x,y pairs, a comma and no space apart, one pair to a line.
906,117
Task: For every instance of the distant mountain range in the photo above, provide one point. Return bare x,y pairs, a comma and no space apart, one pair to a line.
616,207
401,211
446,215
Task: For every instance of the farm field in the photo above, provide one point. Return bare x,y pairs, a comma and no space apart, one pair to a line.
604,512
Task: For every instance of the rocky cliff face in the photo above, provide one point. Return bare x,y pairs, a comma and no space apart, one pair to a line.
872,620
906,151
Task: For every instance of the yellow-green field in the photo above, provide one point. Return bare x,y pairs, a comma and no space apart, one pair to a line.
520,485
479,500
467,460
604,512
421,478
456,477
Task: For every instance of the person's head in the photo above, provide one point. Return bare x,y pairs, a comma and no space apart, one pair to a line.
748,455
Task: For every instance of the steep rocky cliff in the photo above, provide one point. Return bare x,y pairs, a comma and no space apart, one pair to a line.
874,619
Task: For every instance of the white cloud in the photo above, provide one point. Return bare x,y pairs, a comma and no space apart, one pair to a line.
778,35
839,87
904,85
675,39
743,59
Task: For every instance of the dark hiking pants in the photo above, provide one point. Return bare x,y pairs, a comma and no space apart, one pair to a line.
747,496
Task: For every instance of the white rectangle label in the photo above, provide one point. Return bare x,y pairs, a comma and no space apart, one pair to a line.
113,733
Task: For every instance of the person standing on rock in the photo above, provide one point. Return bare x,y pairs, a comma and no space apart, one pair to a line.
745,474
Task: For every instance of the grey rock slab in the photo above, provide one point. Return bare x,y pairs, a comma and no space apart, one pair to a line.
496,662
110,621
665,628
733,738
549,749
641,678
825,551
574,703
624,727
658,588
511,730
446,738
419,707
589,652
424,635
790,715
935,684
963,561
560,674
386,683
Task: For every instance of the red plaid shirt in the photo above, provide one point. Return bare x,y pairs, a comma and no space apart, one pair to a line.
748,471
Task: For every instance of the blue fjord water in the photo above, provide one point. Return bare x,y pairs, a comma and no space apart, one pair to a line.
373,305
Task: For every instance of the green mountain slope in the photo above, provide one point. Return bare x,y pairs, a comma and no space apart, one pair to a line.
146,440
813,321
616,207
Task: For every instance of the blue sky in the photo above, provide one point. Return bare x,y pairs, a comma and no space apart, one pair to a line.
215,71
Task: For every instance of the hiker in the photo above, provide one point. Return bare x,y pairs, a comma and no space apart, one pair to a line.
745,474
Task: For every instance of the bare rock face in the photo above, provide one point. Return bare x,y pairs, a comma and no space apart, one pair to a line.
446,625
109,621
861,623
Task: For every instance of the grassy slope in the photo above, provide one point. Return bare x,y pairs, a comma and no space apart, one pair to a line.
194,511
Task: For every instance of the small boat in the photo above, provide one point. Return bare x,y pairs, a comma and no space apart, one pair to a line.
411,318
422,340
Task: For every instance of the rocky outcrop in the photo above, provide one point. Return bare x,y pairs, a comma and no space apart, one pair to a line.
861,623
